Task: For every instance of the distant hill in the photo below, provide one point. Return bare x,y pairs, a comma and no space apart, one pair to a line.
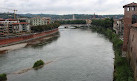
54,17
9,15
115,16
6,15
77,16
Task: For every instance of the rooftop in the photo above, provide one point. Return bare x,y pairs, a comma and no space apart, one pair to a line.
1,19
20,23
131,4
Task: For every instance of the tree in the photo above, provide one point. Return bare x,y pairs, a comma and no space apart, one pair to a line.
107,23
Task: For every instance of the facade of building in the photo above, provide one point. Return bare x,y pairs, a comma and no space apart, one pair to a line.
36,21
88,22
130,10
6,26
24,20
12,26
73,18
130,35
118,26
132,49
21,27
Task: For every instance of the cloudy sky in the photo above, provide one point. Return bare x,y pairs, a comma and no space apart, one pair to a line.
65,6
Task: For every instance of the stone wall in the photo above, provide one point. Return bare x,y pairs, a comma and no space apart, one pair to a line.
132,50
127,24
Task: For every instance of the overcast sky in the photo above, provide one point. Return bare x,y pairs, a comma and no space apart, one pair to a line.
65,6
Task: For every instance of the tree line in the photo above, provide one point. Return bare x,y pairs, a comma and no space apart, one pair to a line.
106,23
42,28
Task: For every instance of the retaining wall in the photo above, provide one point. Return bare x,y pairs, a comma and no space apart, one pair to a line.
14,40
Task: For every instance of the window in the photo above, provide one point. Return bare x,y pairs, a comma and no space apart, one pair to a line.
128,9
134,19
133,38
133,8
131,49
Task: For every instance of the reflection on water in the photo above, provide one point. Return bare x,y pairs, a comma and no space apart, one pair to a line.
74,55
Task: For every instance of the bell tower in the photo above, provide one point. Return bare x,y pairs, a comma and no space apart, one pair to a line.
130,13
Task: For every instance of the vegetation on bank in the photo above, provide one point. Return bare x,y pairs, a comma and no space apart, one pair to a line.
72,22
106,23
47,27
122,70
38,64
3,77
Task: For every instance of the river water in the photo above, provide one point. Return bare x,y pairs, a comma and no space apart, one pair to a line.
75,55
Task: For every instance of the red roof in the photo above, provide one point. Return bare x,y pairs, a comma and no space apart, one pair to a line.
130,5
20,23
8,19
24,23
12,19
134,25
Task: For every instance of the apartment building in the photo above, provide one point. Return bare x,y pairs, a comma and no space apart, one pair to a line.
12,26
21,27
35,21
6,26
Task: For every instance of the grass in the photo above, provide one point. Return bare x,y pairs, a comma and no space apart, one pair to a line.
122,70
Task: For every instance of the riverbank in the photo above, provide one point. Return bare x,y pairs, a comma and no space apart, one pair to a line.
32,43
122,69
8,42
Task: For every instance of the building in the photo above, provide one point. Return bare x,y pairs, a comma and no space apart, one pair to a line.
22,27
3,29
73,18
24,20
130,10
12,27
40,21
118,26
6,26
88,22
94,16
130,35
132,48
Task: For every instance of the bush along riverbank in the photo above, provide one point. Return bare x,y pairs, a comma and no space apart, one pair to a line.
42,28
3,77
122,69
38,64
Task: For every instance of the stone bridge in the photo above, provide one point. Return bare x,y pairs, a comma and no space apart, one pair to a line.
75,25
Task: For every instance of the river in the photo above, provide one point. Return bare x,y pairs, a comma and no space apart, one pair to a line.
75,55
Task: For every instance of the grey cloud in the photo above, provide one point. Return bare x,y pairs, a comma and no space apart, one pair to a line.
66,6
